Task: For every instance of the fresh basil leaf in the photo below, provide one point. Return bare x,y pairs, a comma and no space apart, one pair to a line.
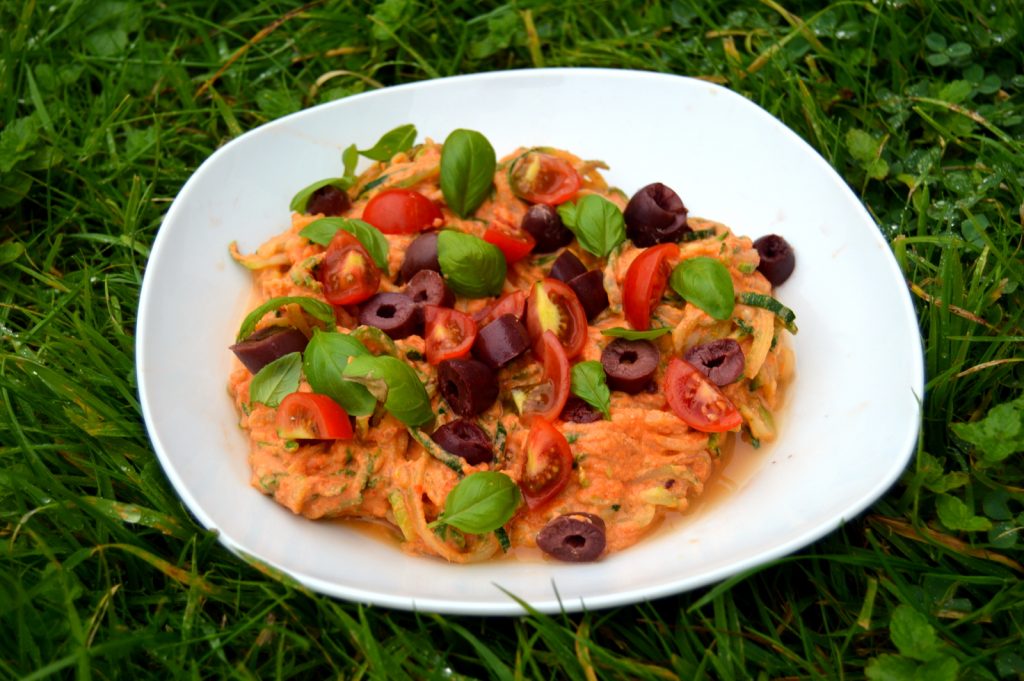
591,385
597,223
323,363
375,340
706,283
633,334
471,266
321,232
467,170
393,382
313,307
275,381
481,502
301,200
349,161
391,142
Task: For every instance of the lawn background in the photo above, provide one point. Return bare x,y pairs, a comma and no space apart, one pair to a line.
106,108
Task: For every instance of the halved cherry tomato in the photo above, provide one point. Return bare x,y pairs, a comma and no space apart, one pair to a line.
310,416
553,306
449,333
401,211
548,464
697,401
347,272
543,178
645,283
514,243
511,303
548,399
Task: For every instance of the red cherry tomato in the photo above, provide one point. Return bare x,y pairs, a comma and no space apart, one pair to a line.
347,272
548,464
309,416
449,333
553,306
514,243
645,283
548,399
401,211
511,303
698,401
543,178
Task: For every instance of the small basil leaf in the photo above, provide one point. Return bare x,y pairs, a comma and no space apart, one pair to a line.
349,161
301,200
323,363
633,334
394,383
375,340
706,283
481,502
472,267
313,307
591,385
321,232
467,170
275,381
597,223
391,142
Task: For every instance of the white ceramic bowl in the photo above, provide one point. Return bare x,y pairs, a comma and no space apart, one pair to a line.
846,434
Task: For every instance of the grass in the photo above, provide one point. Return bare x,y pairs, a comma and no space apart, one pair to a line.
107,107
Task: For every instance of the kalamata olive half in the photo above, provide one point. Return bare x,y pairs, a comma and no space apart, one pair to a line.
468,386
567,266
573,537
544,224
578,411
655,215
720,360
427,287
465,439
420,255
589,288
501,341
269,343
393,313
777,258
329,201
630,364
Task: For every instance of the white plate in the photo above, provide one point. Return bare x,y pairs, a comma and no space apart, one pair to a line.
852,417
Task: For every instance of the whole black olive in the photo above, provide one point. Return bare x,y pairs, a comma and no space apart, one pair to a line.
573,537
427,287
655,215
393,313
269,343
544,224
720,360
579,411
630,364
567,266
465,439
468,386
589,288
777,258
329,201
501,341
420,255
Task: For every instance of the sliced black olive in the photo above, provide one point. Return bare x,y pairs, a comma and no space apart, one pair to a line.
393,313
420,255
579,411
720,360
544,224
468,386
328,200
567,266
777,258
655,215
573,537
501,341
427,287
465,439
264,346
589,288
630,364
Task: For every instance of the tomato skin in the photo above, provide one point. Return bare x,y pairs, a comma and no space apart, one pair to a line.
548,464
401,211
347,272
557,377
311,416
645,283
514,243
553,306
449,333
511,303
698,401
538,177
